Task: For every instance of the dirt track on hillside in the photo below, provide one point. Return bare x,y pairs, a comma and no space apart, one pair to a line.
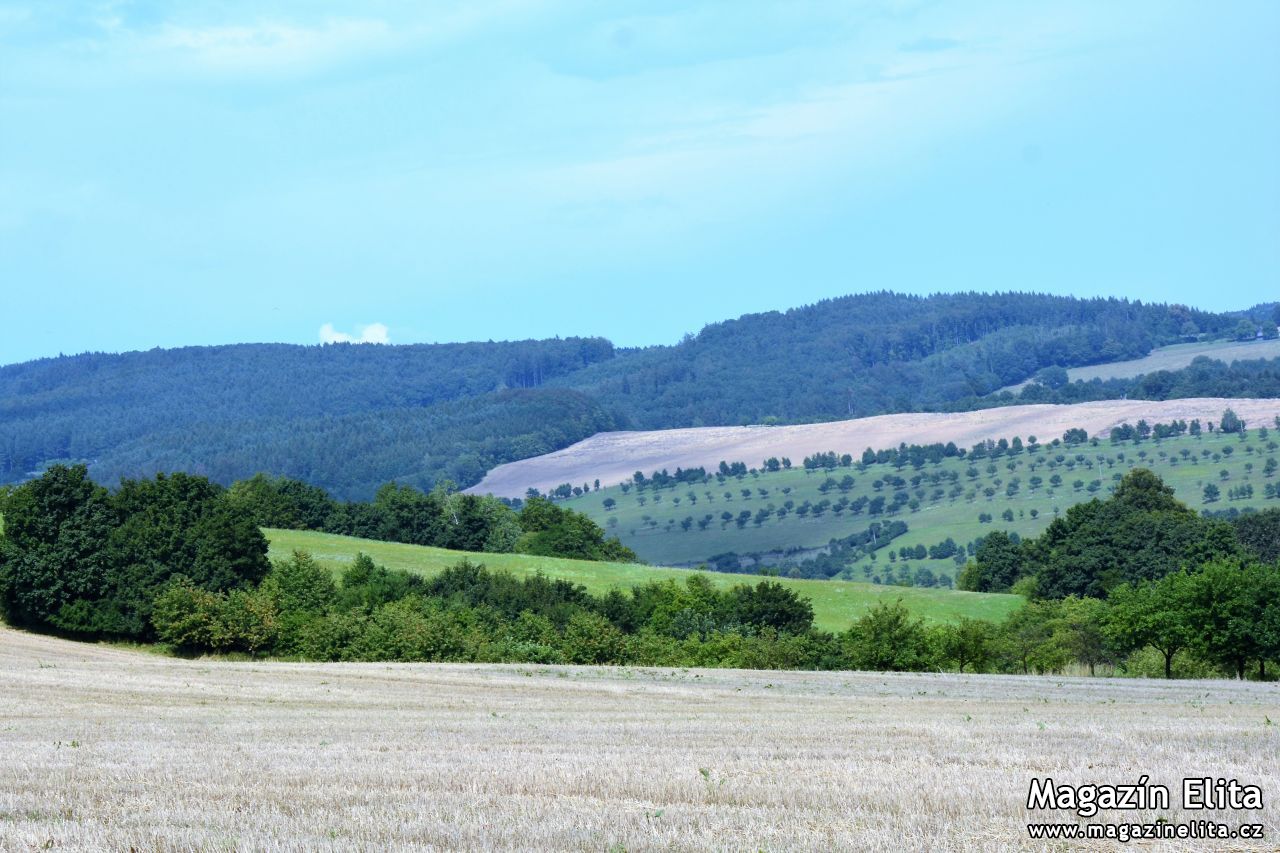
612,457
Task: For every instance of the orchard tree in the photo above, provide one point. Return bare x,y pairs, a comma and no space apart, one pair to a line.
1231,422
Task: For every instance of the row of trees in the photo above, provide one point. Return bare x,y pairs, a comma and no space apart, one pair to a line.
1210,622
468,613
175,559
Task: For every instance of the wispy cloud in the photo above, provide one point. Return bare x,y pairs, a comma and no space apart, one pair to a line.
271,45
374,333
929,44
254,41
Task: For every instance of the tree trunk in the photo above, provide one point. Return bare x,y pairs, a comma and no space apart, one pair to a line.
1240,668
1168,664
1262,669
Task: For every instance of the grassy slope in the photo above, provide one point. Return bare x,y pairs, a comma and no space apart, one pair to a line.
835,603
1172,357
936,519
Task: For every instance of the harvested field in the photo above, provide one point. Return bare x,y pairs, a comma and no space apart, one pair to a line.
102,748
612,457
1173,357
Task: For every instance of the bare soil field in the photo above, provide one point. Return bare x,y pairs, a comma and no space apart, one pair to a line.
104,748
612,457
1173,357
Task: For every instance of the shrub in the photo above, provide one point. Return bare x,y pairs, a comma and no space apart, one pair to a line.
888,638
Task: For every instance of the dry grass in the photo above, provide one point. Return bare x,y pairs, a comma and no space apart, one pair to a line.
1173,357
613,457
103,748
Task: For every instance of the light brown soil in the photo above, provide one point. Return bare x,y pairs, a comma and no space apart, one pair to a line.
105,749
612,457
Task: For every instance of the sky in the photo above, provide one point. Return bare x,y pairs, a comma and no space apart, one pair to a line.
179,173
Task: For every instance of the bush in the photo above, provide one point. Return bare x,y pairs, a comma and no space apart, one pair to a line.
192,619
412,630
590,638
888,638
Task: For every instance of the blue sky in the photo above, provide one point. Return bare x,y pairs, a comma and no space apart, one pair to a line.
189,173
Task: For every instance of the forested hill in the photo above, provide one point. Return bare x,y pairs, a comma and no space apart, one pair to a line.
349,417
876,353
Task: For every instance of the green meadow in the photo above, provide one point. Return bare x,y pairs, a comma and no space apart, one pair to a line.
669,525
836,604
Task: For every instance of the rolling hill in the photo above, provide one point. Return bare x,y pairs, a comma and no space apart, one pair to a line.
941,501
351,417
613,457
836,604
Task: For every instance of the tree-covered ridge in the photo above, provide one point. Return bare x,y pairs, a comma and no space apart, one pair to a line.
192,408
876,353
350,417
354,454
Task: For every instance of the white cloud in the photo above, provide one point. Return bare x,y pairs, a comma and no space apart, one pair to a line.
374,333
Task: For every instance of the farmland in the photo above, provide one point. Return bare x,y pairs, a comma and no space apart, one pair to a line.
946,499
836,604
1174,357
612,457
103,748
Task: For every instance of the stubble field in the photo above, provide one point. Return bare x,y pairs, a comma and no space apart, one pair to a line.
104,748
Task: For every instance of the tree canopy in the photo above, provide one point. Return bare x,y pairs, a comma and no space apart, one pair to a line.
1141,532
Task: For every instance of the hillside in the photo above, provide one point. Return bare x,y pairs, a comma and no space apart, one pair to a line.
836,604
350,417
939,501
1172,357
613,457
875,353
344,416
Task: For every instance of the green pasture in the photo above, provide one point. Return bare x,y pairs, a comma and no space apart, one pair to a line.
836,604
